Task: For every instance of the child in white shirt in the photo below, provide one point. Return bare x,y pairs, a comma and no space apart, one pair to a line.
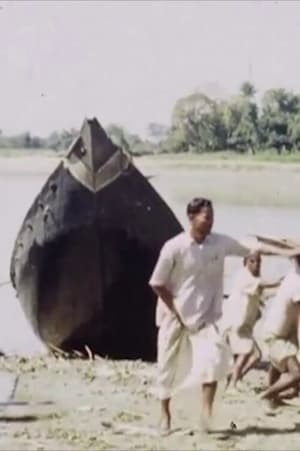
281,335
241,311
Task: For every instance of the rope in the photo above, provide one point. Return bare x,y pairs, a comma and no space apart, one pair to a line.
14,389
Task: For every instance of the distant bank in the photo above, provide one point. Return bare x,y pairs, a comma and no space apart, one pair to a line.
238,180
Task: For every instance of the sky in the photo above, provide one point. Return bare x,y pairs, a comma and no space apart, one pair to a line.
128,62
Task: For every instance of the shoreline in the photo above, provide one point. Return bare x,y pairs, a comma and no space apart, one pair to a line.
39,163
102,404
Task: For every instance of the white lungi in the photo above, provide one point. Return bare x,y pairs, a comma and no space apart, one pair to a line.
187,360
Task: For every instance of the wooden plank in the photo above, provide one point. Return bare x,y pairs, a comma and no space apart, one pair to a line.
284,247
292,242
277,242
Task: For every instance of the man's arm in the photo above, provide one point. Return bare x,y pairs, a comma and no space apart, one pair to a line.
168,299
164,294
237,248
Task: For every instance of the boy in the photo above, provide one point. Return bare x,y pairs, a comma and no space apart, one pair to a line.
281,335
241,311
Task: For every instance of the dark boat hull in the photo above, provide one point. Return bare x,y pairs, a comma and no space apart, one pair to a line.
83,259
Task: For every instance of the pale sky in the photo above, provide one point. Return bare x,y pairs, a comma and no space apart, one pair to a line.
128,62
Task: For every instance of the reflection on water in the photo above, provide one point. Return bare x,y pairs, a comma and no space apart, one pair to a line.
17,193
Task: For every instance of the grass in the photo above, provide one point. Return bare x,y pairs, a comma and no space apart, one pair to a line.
228,155
223,159
267,156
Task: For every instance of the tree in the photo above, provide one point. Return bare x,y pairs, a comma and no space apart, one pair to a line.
175,141
131,143
231,113
198,121
36,142
245,135
53,141
279,107
118,136
157,131
240,116
294,131
21,141
247,90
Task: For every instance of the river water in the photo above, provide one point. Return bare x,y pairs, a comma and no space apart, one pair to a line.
17,192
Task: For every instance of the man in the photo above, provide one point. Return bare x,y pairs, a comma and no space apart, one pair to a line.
281,335
188,279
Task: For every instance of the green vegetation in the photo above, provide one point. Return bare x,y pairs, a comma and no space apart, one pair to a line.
224,156
200,124
268,130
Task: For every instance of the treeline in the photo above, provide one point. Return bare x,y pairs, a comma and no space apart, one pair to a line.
55,141
202,124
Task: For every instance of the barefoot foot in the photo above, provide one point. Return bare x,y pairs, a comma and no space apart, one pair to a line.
164,424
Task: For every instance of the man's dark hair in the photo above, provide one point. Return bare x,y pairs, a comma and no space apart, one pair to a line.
196,205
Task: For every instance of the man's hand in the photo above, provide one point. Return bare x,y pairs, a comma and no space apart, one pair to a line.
178,317
167,297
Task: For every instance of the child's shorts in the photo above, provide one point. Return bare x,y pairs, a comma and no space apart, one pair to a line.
279,350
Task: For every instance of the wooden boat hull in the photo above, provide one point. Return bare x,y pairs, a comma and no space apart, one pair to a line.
85,252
